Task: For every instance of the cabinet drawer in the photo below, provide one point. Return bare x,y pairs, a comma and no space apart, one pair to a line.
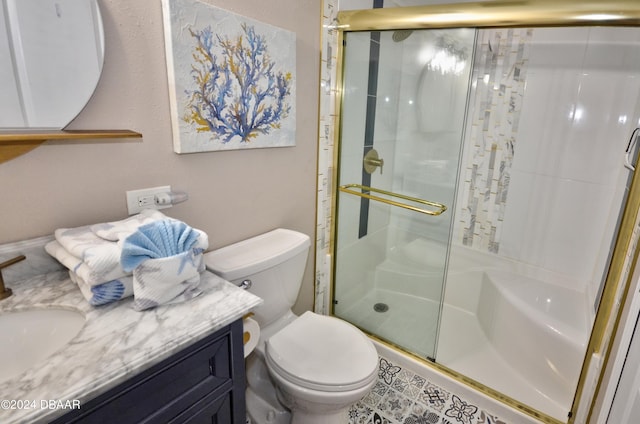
167,389
207,411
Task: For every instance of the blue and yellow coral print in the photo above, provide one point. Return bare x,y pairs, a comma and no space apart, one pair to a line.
231,79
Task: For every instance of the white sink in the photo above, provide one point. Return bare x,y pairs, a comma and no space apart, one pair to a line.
27,337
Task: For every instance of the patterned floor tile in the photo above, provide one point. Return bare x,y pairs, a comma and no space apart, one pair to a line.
395,405
403,397
434,396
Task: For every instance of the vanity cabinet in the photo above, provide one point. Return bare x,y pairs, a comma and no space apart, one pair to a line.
203,383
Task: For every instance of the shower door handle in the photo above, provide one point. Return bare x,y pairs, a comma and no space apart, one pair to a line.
440,208
630,145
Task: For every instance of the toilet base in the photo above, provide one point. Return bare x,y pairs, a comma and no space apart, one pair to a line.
261,411
333,417
310,406
306,411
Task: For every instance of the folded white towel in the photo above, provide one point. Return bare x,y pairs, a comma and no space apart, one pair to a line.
89,276
108,292
167,280
120,230
99,246
100,255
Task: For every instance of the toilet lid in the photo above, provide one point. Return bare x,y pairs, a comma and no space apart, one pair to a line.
322,353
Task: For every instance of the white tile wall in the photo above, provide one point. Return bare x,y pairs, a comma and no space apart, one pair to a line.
567,167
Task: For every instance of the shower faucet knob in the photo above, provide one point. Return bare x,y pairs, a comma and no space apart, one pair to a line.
372,161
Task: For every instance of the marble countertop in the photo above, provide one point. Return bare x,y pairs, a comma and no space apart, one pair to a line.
115,342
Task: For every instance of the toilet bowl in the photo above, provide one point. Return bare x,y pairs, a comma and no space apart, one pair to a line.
321,365
305,370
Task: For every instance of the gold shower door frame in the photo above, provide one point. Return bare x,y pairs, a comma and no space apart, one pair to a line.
504,14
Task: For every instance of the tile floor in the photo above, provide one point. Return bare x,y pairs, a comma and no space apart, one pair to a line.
402,397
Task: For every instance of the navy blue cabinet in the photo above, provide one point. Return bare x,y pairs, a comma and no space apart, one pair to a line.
204,383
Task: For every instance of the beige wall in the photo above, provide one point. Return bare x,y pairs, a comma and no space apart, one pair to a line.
233,194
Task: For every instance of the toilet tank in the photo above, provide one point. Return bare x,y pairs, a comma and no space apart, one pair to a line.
273,261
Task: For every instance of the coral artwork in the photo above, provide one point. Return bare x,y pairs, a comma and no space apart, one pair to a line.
231,79
242,96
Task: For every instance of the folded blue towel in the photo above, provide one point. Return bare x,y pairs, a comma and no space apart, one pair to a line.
167,280
166,260
160,239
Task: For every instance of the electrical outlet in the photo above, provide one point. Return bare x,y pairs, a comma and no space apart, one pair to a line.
145,198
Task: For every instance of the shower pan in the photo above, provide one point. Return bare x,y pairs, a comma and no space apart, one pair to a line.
467,167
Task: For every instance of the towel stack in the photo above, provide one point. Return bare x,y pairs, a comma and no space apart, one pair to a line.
94,256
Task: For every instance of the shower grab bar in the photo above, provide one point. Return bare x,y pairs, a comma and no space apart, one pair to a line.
347,188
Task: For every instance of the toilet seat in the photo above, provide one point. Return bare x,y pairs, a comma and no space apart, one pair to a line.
322,353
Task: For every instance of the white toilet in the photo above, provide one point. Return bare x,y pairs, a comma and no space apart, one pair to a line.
320,365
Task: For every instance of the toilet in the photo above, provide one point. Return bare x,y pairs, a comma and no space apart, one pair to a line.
305,370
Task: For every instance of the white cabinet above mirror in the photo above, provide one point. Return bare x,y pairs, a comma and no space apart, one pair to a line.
52,54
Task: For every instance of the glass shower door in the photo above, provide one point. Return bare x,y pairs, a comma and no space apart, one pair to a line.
402,122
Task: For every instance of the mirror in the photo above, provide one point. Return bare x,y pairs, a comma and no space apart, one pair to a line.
51,53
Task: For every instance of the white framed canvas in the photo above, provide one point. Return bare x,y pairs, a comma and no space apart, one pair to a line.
232,80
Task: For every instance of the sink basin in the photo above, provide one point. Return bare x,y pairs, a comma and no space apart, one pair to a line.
27,337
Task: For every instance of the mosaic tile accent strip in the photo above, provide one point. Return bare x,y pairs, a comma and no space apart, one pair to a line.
328,95
499,78
403,397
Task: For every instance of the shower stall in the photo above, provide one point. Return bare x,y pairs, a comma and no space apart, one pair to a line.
480,188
